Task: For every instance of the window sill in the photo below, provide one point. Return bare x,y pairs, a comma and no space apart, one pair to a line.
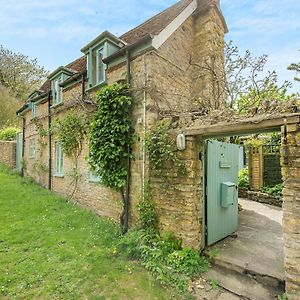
57,105
98,85
95,180
59,175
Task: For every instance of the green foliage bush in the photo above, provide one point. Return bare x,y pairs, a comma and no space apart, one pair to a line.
71,131
274,191
169,262
146,209
243,179
108,138
9,134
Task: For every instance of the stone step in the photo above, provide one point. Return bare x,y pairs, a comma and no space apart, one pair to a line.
245,283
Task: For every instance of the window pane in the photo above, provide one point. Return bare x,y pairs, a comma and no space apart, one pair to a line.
100,66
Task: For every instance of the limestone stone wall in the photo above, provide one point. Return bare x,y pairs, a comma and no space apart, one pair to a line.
291,215
208,56
178,197
8,153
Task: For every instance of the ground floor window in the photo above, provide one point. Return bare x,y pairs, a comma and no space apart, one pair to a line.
59,160
32,148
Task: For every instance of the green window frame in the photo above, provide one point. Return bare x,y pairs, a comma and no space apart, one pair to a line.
59,160
96,68
57,94
32,148
100,71
34,110
93,177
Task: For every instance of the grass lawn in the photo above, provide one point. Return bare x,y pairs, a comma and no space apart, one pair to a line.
51,249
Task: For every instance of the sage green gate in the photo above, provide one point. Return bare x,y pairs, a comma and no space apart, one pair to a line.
19,150
221,190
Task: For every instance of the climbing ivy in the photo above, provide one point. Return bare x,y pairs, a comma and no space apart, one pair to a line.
70,133
42,132
160,149
111,135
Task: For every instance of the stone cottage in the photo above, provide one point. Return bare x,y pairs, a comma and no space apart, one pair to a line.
158,60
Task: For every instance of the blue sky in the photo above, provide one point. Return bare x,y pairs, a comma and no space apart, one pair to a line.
54,31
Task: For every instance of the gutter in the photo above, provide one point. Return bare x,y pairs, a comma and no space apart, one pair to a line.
72,79
127,48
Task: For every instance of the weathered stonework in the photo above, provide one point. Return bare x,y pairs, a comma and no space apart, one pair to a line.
260,197
178,197
291,215
8,153
163,85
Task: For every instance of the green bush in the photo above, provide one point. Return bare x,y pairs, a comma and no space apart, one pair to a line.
188,261
146,208
9,134
169,262
243,180
274,191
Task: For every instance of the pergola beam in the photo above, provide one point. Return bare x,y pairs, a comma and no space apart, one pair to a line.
247,126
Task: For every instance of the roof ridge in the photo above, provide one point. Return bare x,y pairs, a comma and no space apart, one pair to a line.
155,16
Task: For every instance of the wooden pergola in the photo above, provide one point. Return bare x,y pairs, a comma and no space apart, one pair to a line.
257,124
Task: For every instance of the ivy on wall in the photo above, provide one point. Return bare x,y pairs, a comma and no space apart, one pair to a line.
42,132
70,133
109,140
160,149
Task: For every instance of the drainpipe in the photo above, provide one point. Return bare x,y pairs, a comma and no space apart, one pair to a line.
23,144
125,221
49,143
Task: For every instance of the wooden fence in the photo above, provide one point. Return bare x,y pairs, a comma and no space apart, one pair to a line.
264,166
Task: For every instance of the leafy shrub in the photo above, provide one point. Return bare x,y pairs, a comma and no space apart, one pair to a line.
243,179
164,256
131,243
274,191
188,261
146,209
9,134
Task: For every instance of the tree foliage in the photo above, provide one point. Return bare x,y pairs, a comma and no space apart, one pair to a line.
243,83
295,67
9,105
19,74
108,138
9,134
246,83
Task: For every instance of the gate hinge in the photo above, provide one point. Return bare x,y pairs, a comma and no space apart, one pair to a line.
205,230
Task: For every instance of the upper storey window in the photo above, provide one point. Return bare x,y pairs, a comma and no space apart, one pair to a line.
96,69
103,46
57,90
57,77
